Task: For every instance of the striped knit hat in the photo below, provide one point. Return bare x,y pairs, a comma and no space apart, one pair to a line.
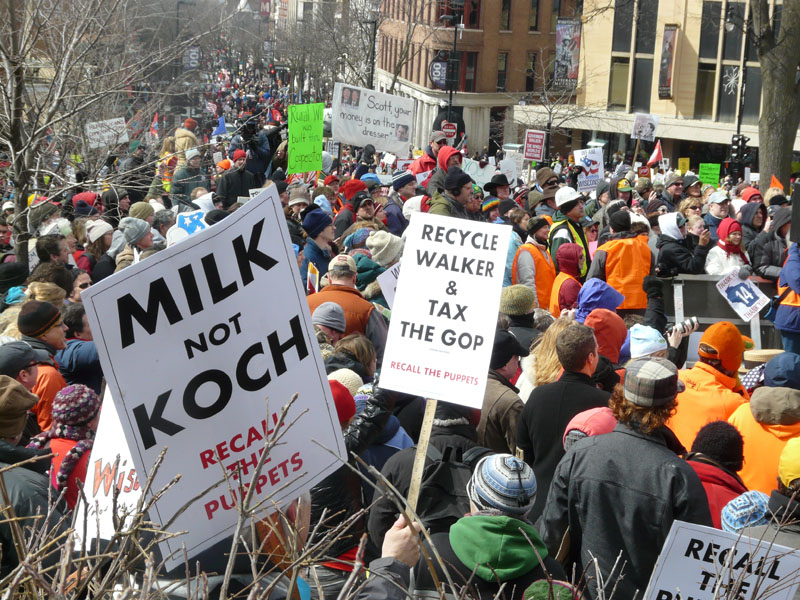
490,203
503,483
402,178
36,318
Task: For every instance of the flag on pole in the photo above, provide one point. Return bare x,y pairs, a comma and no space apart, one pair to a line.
211,107
312,278
656,156
221,129
775,182
154,127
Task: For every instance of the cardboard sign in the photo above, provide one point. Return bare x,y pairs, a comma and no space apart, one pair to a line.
445,309
388,282
534,144
644,127
684,164
106,133
703,562
744,296
190,360
362,116
709,173
592,162
479,175
305,137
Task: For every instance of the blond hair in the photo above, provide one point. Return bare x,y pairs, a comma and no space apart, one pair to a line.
545,364
771,193
46,292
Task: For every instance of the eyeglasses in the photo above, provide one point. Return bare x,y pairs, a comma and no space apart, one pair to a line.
553,181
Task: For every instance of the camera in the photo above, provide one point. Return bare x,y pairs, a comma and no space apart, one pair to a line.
687,325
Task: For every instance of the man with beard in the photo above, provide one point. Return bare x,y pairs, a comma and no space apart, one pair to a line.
238,181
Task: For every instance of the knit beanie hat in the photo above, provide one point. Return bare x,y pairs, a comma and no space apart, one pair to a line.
330,315
602,187
722,341
402,178
225,164
237,154
350,187
12,274
133,229
343,399
15,401
141,210
75,405
36,318
504,483
357,239
190,124
348,378
646,340
506,205
550,590
315,222
721,442
517,300
748,510
535,224
97,229
620,221
385,247
490,203
455,179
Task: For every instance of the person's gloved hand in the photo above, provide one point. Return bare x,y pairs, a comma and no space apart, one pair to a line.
653,287
745,272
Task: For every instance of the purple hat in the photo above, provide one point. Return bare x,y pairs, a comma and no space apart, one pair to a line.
75,405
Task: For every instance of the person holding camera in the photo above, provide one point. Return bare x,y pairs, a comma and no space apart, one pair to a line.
256,146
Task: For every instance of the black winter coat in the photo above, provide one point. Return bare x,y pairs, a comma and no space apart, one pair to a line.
675,258
339,494
619,493
540,428
233,184
769,249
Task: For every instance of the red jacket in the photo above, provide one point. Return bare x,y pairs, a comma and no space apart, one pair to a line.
721,487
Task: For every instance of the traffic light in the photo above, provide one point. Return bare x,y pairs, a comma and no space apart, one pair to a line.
736,148
271,69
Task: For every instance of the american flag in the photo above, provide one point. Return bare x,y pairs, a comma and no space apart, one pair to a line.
211,107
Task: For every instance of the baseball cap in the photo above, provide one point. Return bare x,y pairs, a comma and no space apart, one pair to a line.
718,198
567,194
623,185
722,341
651,382
506,345
343,262
15,356
438,136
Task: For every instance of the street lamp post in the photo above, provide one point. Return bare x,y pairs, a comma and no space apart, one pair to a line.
730,25
453,63
372,56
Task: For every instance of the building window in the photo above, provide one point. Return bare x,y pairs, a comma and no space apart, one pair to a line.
555,14
530,73
732,44
646,27
502,64
704,94
533,19
618,87
752,96
642,84
469,62
709,30
728,86
505,16
469,14
623,25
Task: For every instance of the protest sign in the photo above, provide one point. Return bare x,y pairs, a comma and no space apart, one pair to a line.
592,162
362,116
404,163
644,127
534,144
709,173
479,175
440,339
743,296
106,133
510,167
703,562
179,339
684,164
388,282
305,137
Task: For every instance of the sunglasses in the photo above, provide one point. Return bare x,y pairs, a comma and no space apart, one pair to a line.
83,286
695,207
551,182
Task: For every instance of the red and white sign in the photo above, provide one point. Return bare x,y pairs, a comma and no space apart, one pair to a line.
449,130
534,145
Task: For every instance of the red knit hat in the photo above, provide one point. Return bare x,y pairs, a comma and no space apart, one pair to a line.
330,179
351,187
239,154
722,341
726,227
343,399
190,124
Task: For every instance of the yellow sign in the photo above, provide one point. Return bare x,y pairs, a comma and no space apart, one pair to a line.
683,165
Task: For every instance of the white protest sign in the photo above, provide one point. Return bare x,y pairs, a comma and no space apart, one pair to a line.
508,167
404,163
644,127
362,116
591,160
217,157
445,309
255,192
388,282
421,177
106,133
479,175
104,474
744,296
703,562
191,356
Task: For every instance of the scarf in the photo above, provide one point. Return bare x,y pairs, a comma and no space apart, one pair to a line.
76,433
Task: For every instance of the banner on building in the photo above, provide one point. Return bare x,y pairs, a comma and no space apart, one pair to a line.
568,52
445,309
191,58
644,127
667,60
362,116
192,367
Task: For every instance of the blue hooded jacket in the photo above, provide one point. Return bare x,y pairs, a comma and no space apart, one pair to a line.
596,293
788,317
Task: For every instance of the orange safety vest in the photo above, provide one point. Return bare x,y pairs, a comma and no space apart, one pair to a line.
627,264
545,272
555,309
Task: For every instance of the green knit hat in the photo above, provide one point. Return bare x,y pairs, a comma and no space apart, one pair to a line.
544,590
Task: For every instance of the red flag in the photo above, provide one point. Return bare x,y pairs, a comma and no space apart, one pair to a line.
154,126
656,156
276,115
775,182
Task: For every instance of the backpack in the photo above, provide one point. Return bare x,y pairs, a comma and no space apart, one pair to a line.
443,493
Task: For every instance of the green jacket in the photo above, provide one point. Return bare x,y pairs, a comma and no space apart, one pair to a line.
443,204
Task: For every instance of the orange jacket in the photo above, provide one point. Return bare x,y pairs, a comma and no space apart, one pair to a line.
625,263
709,396
48,384
356,308
555,307
545,272
770,420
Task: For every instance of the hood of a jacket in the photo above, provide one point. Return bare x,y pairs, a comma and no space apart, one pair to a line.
668,224
778,407
389,430
596,293
444,155
344,360
780,218
180,133
110,197
715,474
495,548
610,331
749,211
367,271
568,257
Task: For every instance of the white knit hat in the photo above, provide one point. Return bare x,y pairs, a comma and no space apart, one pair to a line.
97,229
385,247
348,378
